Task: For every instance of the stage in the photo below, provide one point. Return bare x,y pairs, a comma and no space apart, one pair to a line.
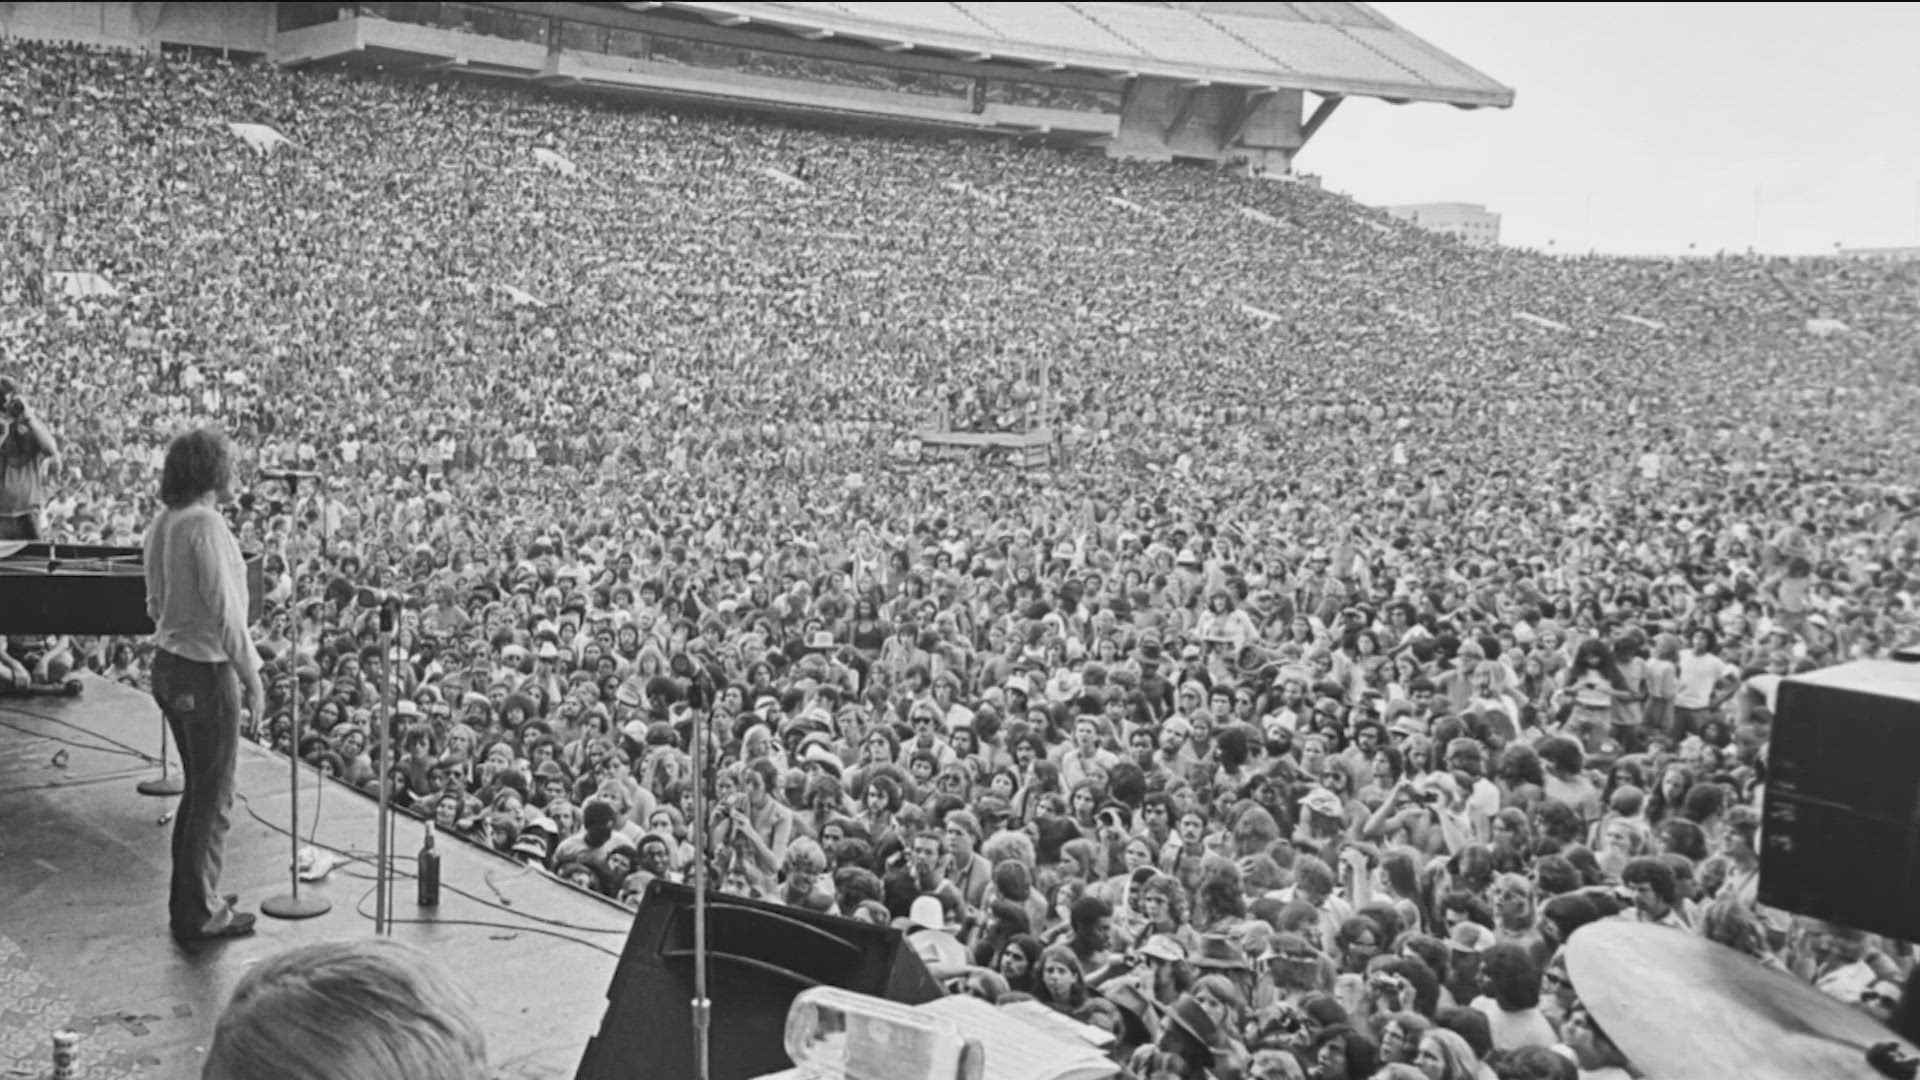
84,865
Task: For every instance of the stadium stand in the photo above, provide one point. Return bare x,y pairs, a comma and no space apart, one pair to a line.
1339,549
1217,83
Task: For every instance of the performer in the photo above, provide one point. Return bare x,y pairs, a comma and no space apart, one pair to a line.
27,455
197,596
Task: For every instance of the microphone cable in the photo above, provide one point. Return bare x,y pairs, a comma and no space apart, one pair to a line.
353,855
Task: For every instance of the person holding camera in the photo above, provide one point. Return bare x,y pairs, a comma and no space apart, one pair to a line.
27,455
756,824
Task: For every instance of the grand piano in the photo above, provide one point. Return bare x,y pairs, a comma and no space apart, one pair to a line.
89,590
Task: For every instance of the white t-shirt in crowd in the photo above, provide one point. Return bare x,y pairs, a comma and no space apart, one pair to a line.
1513,1030
1699,674
1484,800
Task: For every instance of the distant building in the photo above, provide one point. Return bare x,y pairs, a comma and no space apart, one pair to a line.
1471,222
1882,254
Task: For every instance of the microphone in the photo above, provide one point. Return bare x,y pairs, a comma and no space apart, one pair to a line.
289,475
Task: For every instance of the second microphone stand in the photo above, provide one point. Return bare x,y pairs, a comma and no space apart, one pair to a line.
702,1008
294,905
383,864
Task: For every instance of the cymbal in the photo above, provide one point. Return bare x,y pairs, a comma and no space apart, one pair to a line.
1681,1007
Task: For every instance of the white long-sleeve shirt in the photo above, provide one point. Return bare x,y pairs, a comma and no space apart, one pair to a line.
197,589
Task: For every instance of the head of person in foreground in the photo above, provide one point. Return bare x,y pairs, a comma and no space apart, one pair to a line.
349,1010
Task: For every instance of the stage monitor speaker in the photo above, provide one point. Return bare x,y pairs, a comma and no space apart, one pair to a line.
760,956
1840,833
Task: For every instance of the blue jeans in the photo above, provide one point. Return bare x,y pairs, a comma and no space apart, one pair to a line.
201,702
19,527
1689,721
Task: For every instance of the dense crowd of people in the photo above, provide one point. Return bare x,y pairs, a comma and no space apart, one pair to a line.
1351,656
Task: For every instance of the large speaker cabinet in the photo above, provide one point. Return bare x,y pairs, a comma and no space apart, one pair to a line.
760,956
1840,838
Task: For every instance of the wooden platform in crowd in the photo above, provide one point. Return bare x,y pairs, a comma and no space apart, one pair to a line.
84,867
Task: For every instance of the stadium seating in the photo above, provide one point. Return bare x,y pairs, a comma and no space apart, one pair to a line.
551,353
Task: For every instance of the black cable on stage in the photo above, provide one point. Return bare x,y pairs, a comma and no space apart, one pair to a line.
478,900
360,906
319,797
319,794
30,733
352,855
118,747
76,782
124,750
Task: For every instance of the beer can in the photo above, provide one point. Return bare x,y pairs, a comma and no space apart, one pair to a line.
66,1048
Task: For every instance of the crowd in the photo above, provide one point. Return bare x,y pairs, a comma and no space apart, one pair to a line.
1353,656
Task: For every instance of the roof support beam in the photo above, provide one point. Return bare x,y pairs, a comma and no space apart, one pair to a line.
1189,97
146,16
1321,113
1242,116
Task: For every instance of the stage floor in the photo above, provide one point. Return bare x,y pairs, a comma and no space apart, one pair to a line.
84,865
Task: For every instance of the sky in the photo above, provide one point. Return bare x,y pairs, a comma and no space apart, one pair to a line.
1656,129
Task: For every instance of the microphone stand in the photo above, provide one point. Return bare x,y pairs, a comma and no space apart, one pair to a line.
166,783
383,864
702,1008
292,905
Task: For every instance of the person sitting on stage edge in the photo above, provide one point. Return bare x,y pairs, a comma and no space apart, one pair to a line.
36,663
27,454
197,597
349,1010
